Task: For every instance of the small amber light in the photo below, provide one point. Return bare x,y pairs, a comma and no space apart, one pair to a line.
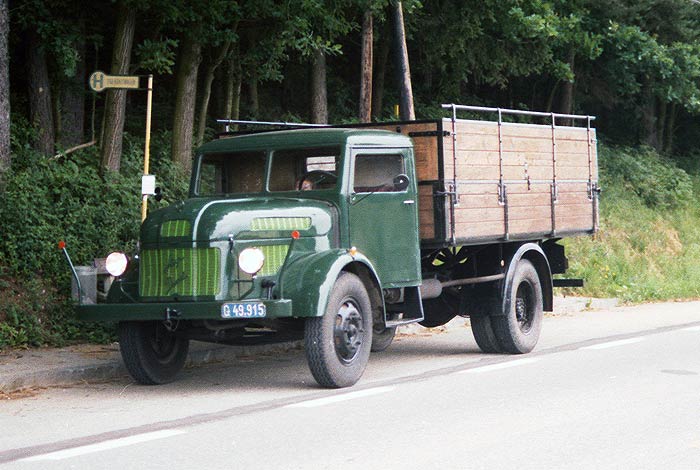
295,234
61,245
352,251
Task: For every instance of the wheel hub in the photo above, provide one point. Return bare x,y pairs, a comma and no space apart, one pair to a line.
523,307
348,333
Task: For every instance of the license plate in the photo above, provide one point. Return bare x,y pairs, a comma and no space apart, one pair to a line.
243,310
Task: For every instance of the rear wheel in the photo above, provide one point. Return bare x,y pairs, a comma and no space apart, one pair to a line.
338,343
484,303
485,338
518,329
152,354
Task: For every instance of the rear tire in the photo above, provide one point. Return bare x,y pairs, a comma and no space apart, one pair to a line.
518,329
152,354
484,303
485,337
338,343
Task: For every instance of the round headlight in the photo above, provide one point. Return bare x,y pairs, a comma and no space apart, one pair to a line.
251,260
116,263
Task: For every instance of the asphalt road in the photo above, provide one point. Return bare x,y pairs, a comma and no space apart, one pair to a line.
613,389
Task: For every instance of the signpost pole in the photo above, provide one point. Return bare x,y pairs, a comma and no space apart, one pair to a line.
147,149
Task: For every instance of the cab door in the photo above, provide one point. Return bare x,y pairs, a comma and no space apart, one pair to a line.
383,213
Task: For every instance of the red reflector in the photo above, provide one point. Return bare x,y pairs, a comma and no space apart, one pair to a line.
295,234
61,245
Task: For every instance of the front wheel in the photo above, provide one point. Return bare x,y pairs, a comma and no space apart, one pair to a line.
152,354
338,343
518,328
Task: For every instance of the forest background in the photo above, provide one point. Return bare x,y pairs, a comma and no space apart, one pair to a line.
70,159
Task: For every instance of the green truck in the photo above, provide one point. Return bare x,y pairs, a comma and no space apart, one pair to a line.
339,235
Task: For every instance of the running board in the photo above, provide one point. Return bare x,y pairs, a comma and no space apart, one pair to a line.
394,323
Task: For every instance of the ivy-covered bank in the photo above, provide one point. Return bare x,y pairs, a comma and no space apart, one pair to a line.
65,198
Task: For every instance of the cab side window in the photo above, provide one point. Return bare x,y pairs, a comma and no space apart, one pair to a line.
376,172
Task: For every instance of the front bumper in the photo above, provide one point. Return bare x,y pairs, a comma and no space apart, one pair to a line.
173,310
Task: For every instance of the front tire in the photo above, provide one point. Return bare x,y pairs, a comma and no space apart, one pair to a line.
152,354
518,329
338,343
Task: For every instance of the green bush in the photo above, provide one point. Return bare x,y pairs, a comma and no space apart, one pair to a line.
50,199
657,181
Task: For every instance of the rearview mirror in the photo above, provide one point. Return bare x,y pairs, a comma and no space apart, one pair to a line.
401,182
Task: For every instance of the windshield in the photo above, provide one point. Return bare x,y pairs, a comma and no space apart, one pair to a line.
235,172
307,169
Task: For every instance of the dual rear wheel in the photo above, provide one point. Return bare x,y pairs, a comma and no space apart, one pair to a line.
511,322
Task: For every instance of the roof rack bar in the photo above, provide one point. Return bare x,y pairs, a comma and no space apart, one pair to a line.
228,122
515,111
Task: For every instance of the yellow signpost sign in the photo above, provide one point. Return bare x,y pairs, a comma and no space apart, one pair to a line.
100,81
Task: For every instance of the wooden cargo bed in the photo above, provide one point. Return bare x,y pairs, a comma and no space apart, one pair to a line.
482,182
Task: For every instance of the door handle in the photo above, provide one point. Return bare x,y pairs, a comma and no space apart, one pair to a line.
409,201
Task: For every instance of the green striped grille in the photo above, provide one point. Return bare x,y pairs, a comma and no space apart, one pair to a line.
281,223
274,258
183,272
175,228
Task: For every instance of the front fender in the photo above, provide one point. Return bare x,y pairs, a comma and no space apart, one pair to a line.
308,279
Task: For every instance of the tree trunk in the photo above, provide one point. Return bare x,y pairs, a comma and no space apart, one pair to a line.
40,105
366,69
234,79
115,105
650,136
72,104
188,61
406,91
5,158
661,121
319,97
670,128
206,90
185,100
253,103
379,74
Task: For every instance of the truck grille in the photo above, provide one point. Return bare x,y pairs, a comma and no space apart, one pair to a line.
274,258
185,272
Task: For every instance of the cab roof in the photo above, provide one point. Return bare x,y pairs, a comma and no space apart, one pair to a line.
299,138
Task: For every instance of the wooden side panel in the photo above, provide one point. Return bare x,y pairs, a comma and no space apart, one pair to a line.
531,159
426,212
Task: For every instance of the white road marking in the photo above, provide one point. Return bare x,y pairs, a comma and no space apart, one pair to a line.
692,328
340,398
499,366
106,445
614,344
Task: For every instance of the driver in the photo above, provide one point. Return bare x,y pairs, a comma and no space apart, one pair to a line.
305,184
